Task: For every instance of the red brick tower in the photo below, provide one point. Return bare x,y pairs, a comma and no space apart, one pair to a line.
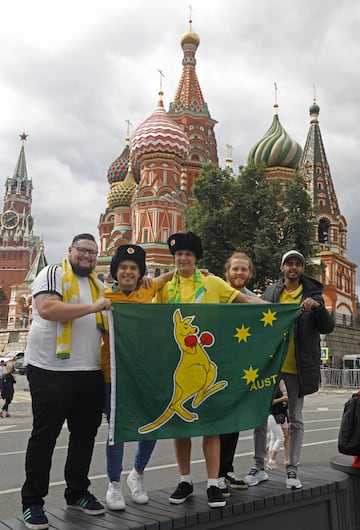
18,245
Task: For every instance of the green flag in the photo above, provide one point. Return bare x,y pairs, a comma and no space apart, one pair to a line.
182,370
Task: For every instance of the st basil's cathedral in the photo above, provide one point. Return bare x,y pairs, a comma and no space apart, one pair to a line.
150,185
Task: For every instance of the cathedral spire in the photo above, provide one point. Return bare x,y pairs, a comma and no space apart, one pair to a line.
315,168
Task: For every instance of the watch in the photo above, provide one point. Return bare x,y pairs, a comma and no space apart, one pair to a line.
9,219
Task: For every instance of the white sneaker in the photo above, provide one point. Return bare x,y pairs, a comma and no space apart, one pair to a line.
136,486
292,482
255,476
114,497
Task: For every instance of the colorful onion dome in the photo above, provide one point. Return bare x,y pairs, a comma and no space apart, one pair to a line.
159,134
118,169
276,148
121,193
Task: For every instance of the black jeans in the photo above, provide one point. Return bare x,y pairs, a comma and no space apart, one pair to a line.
228,443
58,396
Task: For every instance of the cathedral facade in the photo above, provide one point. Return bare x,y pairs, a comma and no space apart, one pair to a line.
151,183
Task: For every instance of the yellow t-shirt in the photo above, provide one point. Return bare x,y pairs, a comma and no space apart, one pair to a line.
217,291
141,295
289,366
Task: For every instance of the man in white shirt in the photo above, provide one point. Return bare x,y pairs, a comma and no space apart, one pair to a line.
66,382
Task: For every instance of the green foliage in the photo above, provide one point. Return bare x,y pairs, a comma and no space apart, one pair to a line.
249,213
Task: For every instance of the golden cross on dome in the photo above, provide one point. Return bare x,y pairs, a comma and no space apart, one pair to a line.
161,79
23,136
191,10
275,85
129,124
314,87
229,150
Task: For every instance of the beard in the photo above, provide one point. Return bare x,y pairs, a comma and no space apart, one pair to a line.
82,271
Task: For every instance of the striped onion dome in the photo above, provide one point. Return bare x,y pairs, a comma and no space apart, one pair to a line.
118,169
276,148
159,134
121,193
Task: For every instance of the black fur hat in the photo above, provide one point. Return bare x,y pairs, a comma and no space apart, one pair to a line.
130,252
185,241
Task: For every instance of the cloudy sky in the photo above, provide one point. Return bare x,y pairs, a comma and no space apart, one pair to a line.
72,72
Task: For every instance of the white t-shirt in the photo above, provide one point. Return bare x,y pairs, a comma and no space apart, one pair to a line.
85,337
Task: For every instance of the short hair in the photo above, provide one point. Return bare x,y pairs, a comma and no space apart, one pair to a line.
90,237
240,255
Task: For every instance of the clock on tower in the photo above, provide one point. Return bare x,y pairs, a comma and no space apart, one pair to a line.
10,219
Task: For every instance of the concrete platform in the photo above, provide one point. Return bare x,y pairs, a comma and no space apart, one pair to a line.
322,504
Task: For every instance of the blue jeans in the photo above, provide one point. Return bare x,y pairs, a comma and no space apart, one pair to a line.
114,453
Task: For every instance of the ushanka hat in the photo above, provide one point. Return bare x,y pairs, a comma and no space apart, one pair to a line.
185,241
128,252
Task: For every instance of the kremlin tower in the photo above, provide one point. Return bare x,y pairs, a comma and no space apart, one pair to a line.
19,247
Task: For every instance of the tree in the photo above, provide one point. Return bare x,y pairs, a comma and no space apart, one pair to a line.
261,217
210,217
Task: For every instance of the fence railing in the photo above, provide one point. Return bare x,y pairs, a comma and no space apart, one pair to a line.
337,378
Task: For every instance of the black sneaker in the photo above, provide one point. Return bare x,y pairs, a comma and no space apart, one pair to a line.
88,504
215,497
182,492
35,518
236,483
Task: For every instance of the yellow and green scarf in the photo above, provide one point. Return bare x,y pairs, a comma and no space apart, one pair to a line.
174,288
70,295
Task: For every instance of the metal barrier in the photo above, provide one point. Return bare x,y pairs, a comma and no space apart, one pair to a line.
339,378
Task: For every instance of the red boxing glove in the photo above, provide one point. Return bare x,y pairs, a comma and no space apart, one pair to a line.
191,340
206,339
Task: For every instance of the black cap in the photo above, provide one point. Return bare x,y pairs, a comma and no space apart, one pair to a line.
185,241
128,252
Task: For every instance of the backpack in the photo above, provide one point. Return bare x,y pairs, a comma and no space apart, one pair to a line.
349,433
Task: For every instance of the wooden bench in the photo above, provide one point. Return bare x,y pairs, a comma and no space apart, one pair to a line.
322,504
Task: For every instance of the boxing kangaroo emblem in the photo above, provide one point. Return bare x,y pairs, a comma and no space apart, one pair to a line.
195,375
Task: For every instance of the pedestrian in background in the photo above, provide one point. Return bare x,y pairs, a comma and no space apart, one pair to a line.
7,390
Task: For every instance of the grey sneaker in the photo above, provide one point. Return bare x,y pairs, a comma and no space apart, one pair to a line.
255,476
136,486
114,497
223,487
292,482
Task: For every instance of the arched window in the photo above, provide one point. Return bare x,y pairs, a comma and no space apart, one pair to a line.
323,231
